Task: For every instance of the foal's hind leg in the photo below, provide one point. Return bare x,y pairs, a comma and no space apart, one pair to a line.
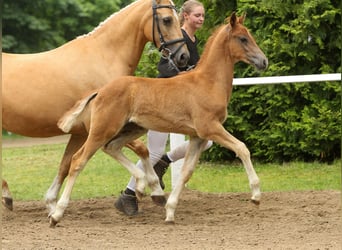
78,162
193,153
114,149
157,194
74,144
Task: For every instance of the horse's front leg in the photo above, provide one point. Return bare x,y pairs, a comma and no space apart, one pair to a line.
74,144
7,200
193,153
225,139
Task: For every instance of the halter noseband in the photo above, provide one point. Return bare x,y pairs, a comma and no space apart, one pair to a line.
166,52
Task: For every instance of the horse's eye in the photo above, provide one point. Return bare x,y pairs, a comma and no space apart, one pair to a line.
243,40
167,21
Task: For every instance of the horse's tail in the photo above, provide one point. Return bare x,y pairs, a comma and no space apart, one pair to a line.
69,119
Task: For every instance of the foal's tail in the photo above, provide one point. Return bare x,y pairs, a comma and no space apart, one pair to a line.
69,119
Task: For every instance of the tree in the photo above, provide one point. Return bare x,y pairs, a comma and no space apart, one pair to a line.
35,26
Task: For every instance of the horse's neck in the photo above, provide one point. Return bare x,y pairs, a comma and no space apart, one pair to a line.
120,39
215,61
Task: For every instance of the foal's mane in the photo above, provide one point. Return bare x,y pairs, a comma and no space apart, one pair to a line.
209,43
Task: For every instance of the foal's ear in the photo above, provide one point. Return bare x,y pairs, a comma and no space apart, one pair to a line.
232,19
242,18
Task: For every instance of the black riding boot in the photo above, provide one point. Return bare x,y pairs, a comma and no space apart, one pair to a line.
160,168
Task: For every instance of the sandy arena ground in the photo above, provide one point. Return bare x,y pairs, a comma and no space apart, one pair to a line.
284,220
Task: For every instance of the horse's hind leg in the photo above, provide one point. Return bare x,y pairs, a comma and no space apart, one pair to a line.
193,153
7,200
74,144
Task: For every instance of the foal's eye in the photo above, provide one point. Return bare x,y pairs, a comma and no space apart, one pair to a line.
167,21
243,40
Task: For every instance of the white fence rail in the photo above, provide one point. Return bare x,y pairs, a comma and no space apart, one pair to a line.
287,79
177,139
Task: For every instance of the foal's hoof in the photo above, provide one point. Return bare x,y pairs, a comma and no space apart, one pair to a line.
139,195
169,222
53,222
255,202
8,203
159,200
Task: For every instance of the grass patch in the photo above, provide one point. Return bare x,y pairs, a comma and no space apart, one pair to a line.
215,178
30,171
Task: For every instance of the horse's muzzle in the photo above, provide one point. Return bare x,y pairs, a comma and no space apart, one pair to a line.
182,59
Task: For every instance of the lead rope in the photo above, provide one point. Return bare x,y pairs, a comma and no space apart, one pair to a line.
167,54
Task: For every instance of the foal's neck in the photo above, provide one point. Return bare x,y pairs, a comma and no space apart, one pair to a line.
215,61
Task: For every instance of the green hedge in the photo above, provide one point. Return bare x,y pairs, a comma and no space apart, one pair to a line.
290,121
287,121
277,122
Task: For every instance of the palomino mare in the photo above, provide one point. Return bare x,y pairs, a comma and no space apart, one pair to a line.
7,200
39,88
193,103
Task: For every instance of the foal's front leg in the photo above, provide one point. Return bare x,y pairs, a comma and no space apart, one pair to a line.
193,153
225,139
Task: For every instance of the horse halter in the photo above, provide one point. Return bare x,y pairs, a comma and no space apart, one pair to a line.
166,52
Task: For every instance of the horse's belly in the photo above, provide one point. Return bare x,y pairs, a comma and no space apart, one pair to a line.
36,95
28,121
28,127
34,113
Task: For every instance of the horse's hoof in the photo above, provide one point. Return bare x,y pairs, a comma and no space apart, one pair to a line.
8,203
159,200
